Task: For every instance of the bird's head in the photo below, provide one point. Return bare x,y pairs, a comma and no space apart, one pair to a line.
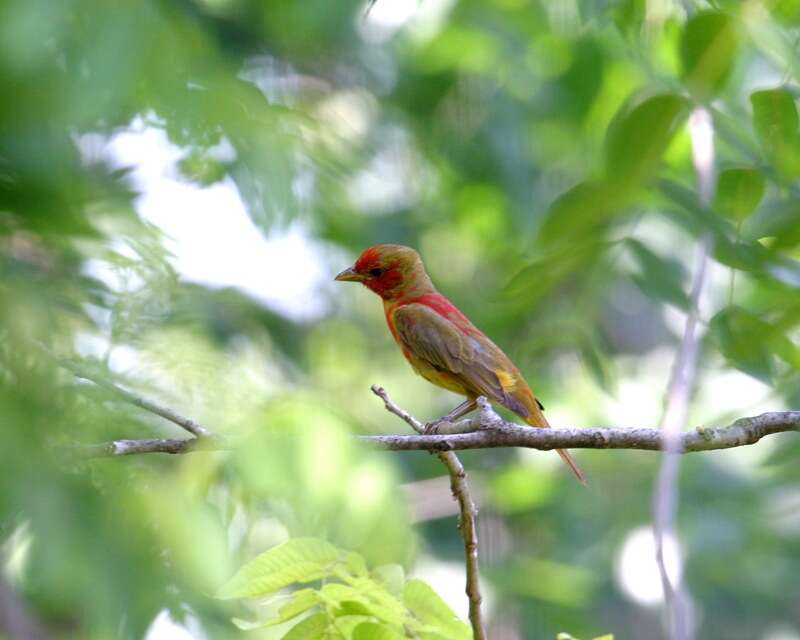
390,270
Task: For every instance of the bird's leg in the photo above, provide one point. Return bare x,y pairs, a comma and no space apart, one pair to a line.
461,410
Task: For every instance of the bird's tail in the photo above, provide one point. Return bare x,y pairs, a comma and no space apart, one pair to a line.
536,419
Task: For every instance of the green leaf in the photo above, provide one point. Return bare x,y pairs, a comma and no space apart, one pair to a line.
311,628
739,191
579,212
431,610
391,576
776,122
787,11
638,136
374,631
741,339
662,277
296,561
335,593
774,114
708,51
301,602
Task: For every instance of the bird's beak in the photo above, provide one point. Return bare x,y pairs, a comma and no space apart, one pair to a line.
349,275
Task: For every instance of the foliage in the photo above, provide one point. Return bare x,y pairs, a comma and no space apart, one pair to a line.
536,153
350,602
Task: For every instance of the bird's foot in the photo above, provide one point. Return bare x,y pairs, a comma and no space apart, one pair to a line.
432,428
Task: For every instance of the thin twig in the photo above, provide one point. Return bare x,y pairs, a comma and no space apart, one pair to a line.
192,426
15,618
469,513
679,390
115,448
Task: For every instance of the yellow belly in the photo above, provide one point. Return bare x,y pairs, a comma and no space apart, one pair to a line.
440,378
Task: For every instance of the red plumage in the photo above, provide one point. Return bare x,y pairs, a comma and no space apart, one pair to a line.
439,341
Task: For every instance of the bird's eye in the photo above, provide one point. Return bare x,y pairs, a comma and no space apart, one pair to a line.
376,273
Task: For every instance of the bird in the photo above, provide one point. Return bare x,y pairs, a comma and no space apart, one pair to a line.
440,342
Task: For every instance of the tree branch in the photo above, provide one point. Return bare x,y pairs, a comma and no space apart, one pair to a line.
16,619
204,439
467,434
679,391
469,513
192,426
116,448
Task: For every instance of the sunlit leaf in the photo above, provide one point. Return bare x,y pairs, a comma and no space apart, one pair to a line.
373,631
296,561
431,610
301,601
775,119
311,628
391,576
638,137
708,52
787,11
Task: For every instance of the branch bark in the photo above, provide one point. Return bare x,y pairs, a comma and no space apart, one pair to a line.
469,435
16,619
116,448
467,519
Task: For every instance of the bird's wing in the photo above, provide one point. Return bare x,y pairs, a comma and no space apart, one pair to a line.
479,363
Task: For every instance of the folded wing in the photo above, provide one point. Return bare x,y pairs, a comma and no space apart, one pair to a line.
476,361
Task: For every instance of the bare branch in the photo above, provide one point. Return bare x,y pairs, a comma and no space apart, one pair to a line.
192,426
679,389
15,618
472,434
468,511
117,448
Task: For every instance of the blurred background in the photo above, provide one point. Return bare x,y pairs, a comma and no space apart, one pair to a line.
180,180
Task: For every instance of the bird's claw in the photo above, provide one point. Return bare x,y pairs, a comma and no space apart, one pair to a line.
432,428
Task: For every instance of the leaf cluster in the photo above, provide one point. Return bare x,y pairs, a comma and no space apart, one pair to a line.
348,601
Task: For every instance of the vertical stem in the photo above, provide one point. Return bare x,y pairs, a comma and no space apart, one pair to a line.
733,269
467,519
469,531
665,498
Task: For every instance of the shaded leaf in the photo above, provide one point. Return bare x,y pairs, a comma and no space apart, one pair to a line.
740,337
739,191
660,277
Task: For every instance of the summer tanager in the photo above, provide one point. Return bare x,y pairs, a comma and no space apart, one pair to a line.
441,344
